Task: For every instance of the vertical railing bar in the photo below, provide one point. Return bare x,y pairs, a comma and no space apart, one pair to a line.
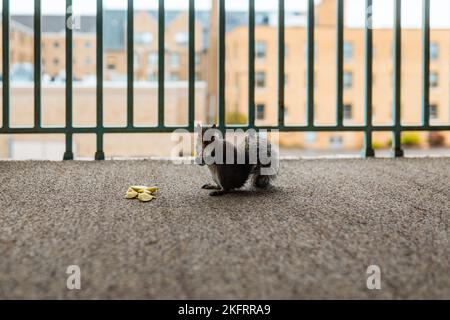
426,63
161,62
397,148
192,65
251,63
99,155
339,61
37,63
310,63
68,154
281,63
368,79
221,73
6,80
130,64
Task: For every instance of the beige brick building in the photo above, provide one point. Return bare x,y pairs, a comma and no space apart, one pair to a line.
325,79
84,94
176,56
115,55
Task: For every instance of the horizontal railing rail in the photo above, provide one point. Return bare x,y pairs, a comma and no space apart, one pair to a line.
368,128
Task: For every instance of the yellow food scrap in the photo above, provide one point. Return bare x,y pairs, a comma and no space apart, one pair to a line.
143,193
145,197
131,194
139,189
152,189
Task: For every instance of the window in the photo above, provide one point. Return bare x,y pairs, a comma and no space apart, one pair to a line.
88,61
153,58
260,49
434,79
143,38
348,112
111,63
56,61
197,59
336,142
56,44
262,19
181,38
310,137
173,76
434,51
260,111
260,79
87,44
434,112
152,76
348,50
348,80
174,60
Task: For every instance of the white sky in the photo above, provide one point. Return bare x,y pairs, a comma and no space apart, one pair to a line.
383,9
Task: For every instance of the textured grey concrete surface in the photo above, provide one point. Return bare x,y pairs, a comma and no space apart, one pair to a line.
313,236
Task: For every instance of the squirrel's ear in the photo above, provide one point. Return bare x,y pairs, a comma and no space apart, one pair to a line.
214,126
199,127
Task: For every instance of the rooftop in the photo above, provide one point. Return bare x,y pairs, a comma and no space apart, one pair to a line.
313,236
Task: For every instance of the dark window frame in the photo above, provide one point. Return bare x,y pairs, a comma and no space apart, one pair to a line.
260,111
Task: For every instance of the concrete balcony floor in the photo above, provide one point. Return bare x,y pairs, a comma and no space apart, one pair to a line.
312,237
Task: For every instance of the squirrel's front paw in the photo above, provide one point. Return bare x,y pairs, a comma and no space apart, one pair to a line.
210,187
218,193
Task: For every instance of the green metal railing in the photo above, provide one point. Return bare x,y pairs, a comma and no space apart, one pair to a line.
100,130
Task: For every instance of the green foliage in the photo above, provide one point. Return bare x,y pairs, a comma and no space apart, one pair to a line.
235,118
377,145
409,140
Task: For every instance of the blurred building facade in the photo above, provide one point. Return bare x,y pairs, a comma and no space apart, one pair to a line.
176,57
266,78
115,44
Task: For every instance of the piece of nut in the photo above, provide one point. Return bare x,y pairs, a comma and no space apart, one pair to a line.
139,189
152,194
145,197
131,194
152,189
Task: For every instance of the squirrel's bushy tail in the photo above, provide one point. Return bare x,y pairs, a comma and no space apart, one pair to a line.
266,169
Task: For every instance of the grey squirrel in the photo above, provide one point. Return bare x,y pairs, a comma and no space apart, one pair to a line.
247,162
